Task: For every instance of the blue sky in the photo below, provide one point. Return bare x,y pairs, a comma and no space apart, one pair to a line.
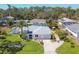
4,6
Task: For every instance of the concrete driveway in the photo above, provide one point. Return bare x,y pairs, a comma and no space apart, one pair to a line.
50,47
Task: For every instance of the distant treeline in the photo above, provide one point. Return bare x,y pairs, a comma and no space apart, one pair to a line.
52,13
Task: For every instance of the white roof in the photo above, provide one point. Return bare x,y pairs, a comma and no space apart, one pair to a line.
40,29
36,29
74,28
10,17
67,20
38,21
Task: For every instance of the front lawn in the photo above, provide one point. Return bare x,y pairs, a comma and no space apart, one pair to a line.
13,38
68,48
32,47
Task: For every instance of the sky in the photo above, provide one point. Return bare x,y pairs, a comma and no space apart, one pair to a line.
4,6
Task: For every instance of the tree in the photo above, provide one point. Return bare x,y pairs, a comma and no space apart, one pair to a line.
70,12
52,24
21,24
1,13
9,7
40,12
62,34
10,22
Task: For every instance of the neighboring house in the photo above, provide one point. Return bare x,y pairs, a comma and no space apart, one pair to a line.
9,17
35,32
66,21
3,22
6,18
38,21
71,26
74,30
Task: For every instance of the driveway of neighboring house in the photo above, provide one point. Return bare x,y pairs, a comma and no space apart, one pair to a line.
50,47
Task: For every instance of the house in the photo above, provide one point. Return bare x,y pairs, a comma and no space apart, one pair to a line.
66,21
8,17
71,26
35,32
38,21
40,32
3,22
74,30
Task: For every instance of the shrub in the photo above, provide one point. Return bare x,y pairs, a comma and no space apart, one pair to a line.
72,45
62,34
23,36
66,39
2,37
41,43
28,39
11,47
5,33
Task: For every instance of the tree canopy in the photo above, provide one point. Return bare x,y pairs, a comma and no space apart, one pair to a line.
40,12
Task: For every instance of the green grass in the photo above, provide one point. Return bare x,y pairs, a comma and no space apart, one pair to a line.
67,49
13,38
31,48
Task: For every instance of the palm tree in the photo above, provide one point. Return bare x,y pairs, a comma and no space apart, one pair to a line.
21,25
9,6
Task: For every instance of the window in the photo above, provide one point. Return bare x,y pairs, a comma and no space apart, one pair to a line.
30,36
36,35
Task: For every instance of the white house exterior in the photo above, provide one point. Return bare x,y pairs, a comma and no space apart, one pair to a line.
35,32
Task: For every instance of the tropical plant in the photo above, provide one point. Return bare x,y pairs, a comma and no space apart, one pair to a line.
62,34
10,47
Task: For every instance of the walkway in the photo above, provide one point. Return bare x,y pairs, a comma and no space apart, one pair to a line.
50,47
